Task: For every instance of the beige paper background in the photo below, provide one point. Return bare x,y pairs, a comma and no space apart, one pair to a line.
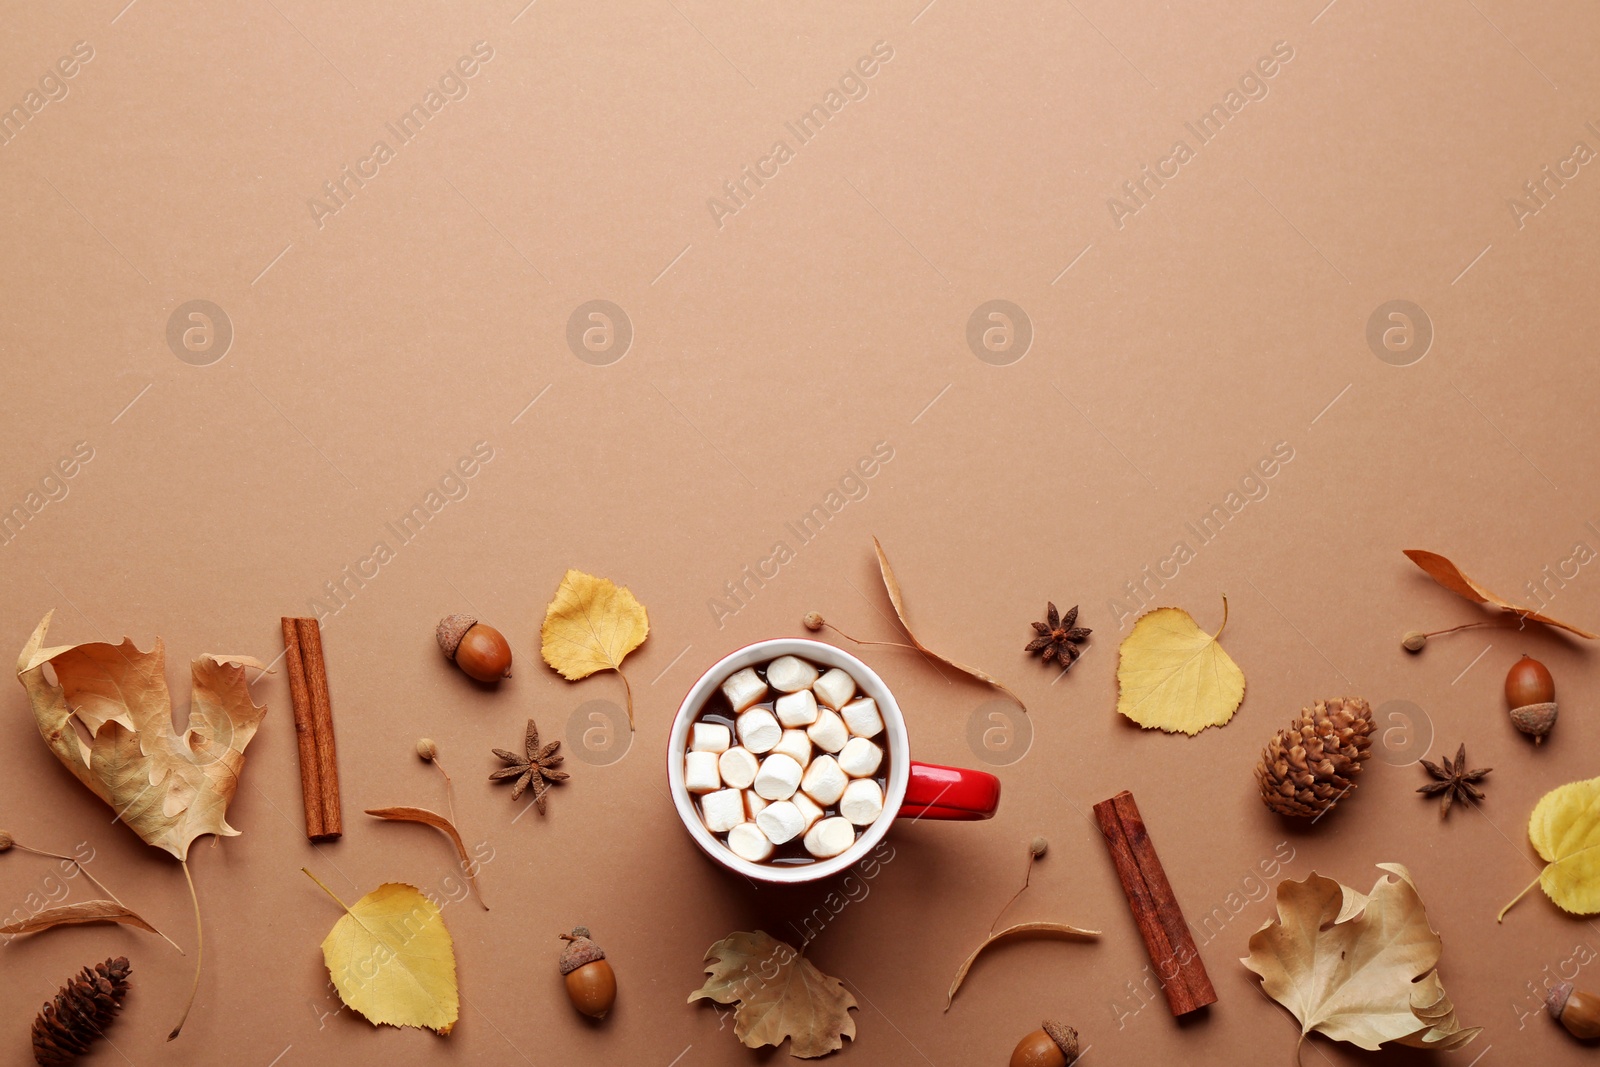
768,357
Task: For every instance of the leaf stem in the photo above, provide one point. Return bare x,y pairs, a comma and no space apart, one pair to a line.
325,889
629,689
1502,916
859,641
1027,875
1224,625
199,952
94,881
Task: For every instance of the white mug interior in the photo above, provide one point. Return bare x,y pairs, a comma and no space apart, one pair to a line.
824,655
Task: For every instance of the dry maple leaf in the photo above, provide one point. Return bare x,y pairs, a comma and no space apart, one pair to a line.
1449,575
592,625
1357,967
169,789
1174,676
1565,829
779,995
892,585
392,959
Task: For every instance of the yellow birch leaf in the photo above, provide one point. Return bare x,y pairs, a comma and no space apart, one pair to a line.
592,625
1565,829
1174,676
392,960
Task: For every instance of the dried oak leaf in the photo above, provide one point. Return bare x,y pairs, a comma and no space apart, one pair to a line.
1565,829
170,789
779,995
392,960
892,585
592,625
1449,575
1357,967
1174,676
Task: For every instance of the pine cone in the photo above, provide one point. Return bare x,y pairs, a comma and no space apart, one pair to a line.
1306,768
81,1012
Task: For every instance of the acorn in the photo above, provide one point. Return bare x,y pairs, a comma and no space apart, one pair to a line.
1052,1045
1578,1011
1531,692
591,983
478,649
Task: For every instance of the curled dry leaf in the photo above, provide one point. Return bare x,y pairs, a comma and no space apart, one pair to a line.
78,914
592,625
469,866
1011,933
392,960
779,995
169,789
892,585
1357,967
1449,575
1173,676
1565,829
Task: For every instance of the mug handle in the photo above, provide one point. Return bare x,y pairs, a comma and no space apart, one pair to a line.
952,793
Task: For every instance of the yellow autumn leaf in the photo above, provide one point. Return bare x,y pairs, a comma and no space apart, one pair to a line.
392,960
592,625
1174,676
1565,829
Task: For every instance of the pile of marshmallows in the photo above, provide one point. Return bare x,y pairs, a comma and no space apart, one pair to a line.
768,790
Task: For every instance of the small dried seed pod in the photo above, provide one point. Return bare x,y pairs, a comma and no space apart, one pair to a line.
591,983
6,840
1413,640
427,750
1578,1011
1052,1045
812,621
478,649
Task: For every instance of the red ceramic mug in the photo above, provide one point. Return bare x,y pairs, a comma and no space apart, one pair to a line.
914,790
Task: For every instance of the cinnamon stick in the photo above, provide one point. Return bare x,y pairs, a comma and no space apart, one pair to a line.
313,725
1166,936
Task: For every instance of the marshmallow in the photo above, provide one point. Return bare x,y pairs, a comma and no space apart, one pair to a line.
829,731
797,745
710,737
722,810
834,688
862,802
738,767
860,758
862,717
790,674
744,689
759,731
824,781
752,803
796,709
779,777
700,773
749,843
830,837
808,808
781,821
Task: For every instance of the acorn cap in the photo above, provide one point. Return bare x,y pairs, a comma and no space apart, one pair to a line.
580,950
1555,999
1065,1037
1535,719
452,628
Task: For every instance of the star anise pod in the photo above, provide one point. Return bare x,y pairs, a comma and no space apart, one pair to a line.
1059,637
1454,781
537,768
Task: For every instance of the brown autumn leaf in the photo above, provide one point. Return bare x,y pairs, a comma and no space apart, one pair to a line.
1357,967
78,914
1034,929
1449,575
779,995
892,584
469,867
169,788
